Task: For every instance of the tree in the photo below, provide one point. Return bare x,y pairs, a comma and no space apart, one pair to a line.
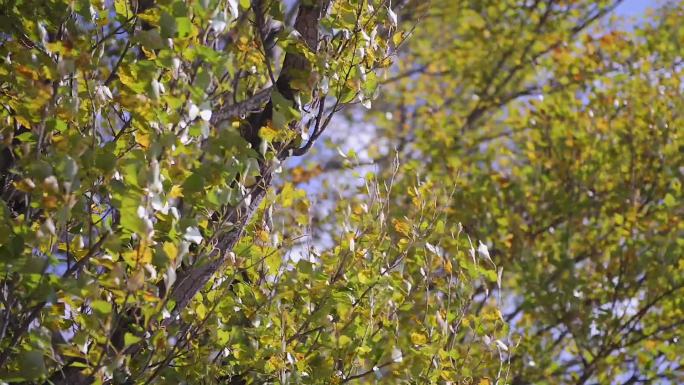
137,243
522,225
561,134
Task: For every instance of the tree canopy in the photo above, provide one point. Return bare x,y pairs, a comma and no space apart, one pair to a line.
187,196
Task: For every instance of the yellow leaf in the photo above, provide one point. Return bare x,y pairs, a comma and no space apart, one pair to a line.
274,363
287,195
149,54
401,227
150,16
267,133
149,297
171,250
262,235
398,37
176,191
650,344
126,77
344,341
418,338
447,266
201,311
142,139
24,185
238,351
27,72
144,254
49,201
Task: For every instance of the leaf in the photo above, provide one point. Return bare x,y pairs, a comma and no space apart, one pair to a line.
193,111
150,39
194,183
233,6
344,341
131,339
170,250
392,17
483,251
121,8
401,227
201,311
27,137
669,200
136,281
192,234
397,356
283,111
501,345
168,25
31,365
418,339
129,79
102,308
273,262
205,114
268,134
184,27
176,191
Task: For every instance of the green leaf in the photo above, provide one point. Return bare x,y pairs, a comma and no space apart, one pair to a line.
184,26
344,341
194,183
31,365
121,8
670,200
150,39
273,262
27,137
168,25
130,339
283,111
201,311
102,308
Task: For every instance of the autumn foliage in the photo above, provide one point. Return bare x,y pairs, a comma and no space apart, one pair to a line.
340,191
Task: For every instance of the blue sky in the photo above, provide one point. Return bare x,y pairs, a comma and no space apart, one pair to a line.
635,8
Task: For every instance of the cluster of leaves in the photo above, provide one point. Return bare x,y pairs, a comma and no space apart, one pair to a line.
139,143
388,300
561,134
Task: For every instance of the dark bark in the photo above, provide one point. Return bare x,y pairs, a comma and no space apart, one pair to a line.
191,281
